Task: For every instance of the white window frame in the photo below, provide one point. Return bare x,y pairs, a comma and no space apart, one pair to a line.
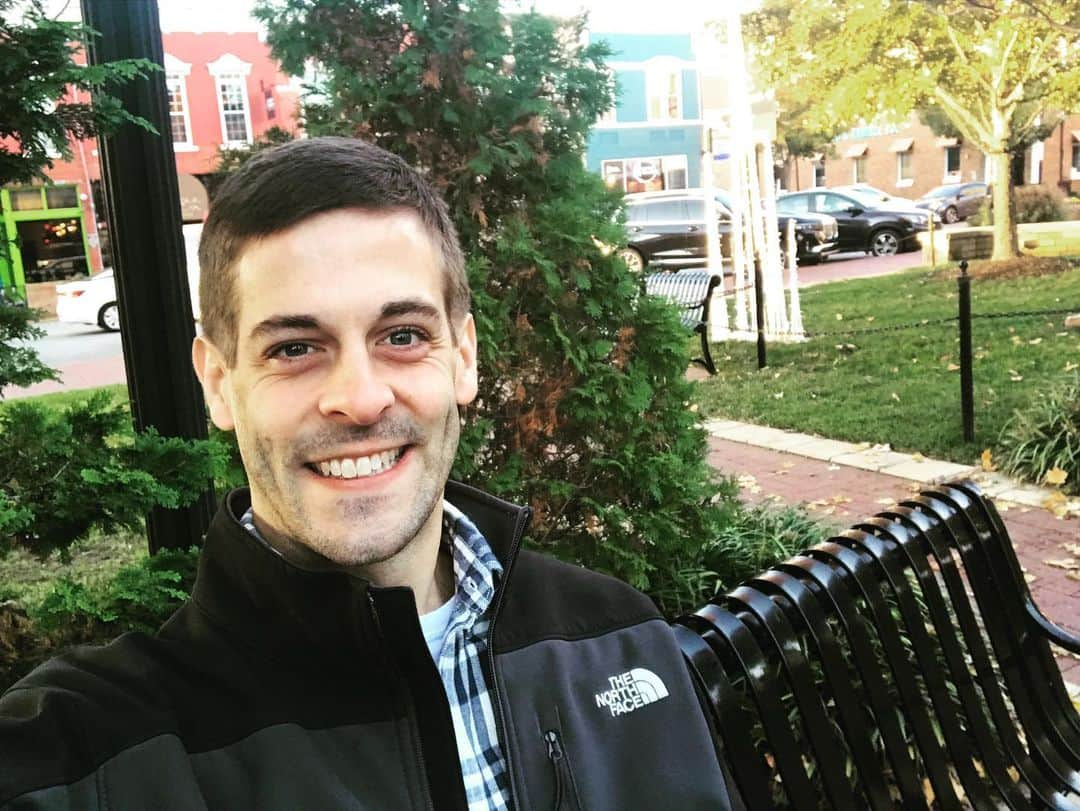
657,74
901,181
855,169
176,73
946,175
230,68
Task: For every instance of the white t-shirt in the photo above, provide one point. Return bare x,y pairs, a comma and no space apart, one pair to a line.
434,625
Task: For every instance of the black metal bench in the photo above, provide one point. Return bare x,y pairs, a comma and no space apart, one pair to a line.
902,664
691,291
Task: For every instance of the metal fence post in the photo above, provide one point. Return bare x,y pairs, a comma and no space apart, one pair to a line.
759,308
967,388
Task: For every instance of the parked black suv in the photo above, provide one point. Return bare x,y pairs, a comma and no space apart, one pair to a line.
668,229
866,224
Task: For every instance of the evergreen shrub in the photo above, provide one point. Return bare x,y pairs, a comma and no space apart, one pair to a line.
583,410
1045,436
65,472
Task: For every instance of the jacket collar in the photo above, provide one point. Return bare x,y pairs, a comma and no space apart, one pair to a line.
275,606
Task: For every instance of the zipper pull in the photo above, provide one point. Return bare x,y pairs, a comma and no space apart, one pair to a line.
554,746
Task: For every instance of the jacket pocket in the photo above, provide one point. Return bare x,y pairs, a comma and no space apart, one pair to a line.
566,798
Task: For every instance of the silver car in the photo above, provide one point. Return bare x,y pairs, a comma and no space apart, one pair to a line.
955,201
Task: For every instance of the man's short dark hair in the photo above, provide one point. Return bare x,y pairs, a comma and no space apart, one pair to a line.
285,185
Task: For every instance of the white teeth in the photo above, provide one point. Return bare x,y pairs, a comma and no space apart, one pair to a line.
361,466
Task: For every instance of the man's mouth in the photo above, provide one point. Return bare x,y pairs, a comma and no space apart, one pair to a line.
358,467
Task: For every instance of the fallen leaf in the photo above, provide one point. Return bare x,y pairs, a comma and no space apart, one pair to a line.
1065,563
1055,476
1073,576
778,396
917,457
896,396
952,367
1030,578
986,459
1035,341
1016,339
839,316
1071,366
889,501
1016,378
1071,548
1056,503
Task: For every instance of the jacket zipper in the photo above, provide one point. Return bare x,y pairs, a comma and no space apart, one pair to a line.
564,782
493,688
410,709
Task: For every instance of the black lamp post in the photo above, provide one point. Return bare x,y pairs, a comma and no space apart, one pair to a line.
139,172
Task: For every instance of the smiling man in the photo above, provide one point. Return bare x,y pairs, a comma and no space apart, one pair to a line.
363,633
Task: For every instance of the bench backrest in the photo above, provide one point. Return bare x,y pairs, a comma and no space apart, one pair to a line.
688,289
894,666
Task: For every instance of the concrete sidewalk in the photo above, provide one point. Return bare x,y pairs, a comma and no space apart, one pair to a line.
842,482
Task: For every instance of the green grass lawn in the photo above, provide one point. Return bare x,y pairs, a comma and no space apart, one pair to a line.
901,387
62,399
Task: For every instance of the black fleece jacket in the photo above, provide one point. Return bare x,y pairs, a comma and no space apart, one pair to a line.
274,687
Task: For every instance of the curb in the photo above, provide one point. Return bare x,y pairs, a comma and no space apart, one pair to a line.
883,459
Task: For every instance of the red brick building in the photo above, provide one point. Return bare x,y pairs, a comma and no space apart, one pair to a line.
224,89
910,160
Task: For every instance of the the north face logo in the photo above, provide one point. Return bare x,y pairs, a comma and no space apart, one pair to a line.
631,690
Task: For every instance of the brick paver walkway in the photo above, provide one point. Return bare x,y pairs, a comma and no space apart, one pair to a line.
846,494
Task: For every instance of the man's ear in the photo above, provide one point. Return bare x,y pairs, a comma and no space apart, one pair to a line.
465,381
212,371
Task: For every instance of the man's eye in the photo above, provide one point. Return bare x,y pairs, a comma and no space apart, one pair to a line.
405,337
292,350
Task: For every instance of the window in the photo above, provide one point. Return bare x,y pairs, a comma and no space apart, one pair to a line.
1076,155
830,203
179,122
232,96
666,211
634,175
952,163
859,167
26,199
819,173
230,80
905,174
663,86
793,204
61,197
607,117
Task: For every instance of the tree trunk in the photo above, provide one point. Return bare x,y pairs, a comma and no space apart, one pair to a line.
1006,245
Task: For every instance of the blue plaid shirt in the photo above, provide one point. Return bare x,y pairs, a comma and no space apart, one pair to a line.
476,573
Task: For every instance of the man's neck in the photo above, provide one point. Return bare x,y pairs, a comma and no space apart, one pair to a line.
424,565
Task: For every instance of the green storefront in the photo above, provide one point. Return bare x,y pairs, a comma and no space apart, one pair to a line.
44,228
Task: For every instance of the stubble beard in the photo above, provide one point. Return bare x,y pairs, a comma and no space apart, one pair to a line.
360,538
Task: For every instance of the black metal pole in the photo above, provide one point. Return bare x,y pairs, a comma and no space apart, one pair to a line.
139,174
967,386
759,309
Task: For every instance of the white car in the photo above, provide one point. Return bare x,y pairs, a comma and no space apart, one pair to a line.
93,300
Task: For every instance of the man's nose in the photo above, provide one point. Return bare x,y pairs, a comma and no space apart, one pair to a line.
356,390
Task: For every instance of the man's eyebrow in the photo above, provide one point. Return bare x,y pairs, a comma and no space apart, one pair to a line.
409,306
279,323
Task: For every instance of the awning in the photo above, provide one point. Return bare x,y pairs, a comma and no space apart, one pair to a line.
901,144
855,151
944,142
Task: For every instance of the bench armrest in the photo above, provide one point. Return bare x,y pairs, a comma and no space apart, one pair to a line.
1055,633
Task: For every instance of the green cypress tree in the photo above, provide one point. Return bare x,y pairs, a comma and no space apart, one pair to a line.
583,411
